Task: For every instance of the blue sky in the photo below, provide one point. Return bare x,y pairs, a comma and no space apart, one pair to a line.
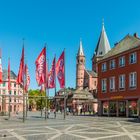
61,24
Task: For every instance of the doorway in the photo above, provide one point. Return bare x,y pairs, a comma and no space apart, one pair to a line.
122,108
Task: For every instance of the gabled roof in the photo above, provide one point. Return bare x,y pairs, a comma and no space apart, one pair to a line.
80,51
92,73
103,45
127,43
5,75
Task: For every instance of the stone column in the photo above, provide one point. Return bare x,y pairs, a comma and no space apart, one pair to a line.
127,108
117,109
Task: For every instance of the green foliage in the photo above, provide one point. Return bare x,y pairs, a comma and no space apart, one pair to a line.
35,99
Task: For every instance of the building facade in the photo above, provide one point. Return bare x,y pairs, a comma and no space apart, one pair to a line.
85,79
119,79
16,92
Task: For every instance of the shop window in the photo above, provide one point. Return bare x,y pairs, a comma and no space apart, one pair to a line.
112,107
133,108
105,108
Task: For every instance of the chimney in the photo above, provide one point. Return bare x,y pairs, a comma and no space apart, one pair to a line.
136,35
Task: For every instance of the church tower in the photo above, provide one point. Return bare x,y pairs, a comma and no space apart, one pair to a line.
102,48
80,67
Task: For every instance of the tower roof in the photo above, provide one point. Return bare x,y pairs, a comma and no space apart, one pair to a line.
80,51
103,45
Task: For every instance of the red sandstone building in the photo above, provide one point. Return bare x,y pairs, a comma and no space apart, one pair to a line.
119,79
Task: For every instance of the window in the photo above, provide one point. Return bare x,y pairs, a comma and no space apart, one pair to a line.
94,83
14,84
104,85
4,84
112,64
121,82
132,58
100,53
14,92
112,83
122,61
132,79
14,107
3,91
104,68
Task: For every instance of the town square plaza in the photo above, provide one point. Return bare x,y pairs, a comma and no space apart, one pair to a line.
79,127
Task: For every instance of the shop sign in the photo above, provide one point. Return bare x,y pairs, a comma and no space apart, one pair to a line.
116,97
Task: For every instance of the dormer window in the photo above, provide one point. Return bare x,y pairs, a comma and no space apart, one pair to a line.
100,53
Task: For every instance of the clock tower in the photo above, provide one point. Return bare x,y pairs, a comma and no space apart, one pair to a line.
80,68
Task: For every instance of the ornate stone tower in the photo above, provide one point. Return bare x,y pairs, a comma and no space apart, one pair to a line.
102,48
80,68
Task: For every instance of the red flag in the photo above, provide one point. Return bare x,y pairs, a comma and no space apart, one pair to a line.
60,70
27,78
9,82
21,69
51,76
41,67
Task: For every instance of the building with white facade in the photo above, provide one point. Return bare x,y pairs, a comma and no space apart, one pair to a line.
16,92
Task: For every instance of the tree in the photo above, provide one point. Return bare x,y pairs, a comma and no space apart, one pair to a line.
35,100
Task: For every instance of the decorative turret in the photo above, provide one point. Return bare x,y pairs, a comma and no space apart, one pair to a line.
102,48
80,67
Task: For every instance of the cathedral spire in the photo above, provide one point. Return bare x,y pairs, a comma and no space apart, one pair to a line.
80,51
103,45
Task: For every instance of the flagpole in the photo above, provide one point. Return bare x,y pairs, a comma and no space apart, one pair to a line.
45,90
23,101
64,89
26,91
45,103
41,101
47,97
55,88
9,91
26,104
23,87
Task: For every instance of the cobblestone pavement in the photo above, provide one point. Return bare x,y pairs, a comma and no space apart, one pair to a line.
73,128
